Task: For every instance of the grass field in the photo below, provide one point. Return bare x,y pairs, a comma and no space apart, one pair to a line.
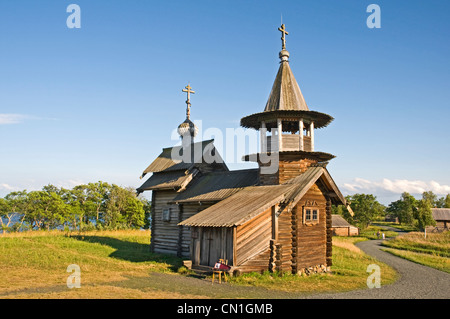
118,264
432,251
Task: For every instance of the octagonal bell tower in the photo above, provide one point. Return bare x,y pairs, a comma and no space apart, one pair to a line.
286,127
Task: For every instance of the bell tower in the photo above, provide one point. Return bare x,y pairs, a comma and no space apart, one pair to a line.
286,127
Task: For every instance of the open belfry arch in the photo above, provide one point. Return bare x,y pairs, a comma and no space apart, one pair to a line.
276,219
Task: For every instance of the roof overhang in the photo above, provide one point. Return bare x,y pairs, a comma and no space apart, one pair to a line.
270,118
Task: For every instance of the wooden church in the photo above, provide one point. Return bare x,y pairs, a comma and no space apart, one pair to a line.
276,217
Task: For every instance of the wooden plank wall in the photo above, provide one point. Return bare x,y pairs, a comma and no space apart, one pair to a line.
188,210
211,244
252,240
329,231
312,238
291,142
165,235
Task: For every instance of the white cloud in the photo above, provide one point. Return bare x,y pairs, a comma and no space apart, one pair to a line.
12,118
7,187
397,186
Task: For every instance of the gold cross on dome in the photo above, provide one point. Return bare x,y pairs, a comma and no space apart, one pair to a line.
283,36
188,102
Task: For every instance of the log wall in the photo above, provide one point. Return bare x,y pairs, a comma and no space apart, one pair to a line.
165,235
312,237
289,166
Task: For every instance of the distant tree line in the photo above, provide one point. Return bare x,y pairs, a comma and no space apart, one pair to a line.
408,209
85,207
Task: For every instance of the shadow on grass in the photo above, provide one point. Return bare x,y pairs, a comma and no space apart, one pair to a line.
132,251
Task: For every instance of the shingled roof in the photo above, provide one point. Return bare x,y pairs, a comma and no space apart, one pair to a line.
441,214
168,180
339,221
216,186
165,162
254,200
285,94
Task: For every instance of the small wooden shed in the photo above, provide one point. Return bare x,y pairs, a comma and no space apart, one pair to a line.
442,218
341,227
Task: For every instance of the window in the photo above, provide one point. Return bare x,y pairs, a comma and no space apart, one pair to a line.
166,215
310,215
315,216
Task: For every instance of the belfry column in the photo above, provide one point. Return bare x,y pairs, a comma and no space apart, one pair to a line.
280,135
263,137
301,127
311,130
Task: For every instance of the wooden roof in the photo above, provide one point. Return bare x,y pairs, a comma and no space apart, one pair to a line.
251,201
269,117
240,207
285,102
339,221
216,186
285,93
441,213
165,162
320,156
168,180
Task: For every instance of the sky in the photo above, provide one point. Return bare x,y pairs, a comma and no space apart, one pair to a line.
99,102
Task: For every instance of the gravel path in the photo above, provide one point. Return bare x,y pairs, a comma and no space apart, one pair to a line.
416,281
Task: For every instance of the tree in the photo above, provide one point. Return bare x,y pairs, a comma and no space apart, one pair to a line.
366,208
431,198
16,202
423,214
123,209
403,208
443,202
147,209
5,210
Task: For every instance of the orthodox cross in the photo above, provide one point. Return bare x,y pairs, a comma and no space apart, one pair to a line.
188,102
283,36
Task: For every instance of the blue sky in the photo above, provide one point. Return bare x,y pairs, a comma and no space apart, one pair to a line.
100,102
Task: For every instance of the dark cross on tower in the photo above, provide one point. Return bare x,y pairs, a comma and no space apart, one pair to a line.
188,102
283,36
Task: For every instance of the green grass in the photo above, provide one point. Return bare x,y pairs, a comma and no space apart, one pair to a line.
402,227
349,272
432,251
371,232
118,264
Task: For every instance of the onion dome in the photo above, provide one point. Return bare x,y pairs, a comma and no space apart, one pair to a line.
187,128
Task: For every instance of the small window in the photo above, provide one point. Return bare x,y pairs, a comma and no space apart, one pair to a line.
315,216
166,215
310,215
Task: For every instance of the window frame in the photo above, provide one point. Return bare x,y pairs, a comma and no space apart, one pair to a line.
166,214
309,212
